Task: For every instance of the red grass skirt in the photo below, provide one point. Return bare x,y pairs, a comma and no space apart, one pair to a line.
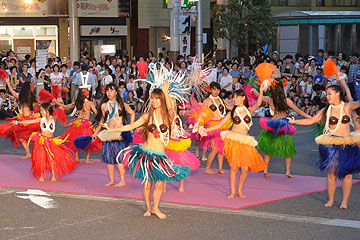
50,152
214,136
80,128
17,133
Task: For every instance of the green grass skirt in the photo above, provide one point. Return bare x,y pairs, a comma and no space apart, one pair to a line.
276,145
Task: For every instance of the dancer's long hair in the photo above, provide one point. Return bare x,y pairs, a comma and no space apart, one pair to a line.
105,99
241,93
157,93
278,97
27,97
79,102
48,108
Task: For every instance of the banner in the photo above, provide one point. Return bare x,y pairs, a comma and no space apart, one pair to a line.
185,44
97,8
104,30
33,8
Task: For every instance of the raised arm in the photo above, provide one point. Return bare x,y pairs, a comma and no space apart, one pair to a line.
220,124
259,101
264,98
131,112
15,94
308,121
132,126
27,122
296,109
67,106
345,87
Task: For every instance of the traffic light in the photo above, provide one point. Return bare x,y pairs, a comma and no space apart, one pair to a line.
184,24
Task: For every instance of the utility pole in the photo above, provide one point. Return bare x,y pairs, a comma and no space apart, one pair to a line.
74,31
174,30
199,31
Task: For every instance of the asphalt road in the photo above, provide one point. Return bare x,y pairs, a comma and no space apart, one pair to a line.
93,217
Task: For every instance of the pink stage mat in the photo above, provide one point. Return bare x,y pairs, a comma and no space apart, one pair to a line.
200,188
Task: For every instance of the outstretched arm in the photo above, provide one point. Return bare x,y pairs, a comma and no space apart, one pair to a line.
132,126
27,122
308,121
264,98
220,124
296,109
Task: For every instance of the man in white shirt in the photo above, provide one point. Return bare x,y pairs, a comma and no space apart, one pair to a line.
85,78
226,80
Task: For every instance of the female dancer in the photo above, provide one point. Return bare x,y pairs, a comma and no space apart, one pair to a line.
339,154
278,145
239,147
149,161
213,139
20,133
112,113
177,149
81,126
49,154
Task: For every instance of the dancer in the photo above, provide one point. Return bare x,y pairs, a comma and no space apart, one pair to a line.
339,154
49,154
213,139
112,112
177,151
275,139
21,133
149,161
239,147
81,126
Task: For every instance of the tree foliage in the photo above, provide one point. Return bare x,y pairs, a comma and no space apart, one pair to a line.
245,21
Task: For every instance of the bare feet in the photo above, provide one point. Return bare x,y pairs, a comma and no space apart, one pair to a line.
89,162
241,195
164,189
231,196
289,175
78,160
28,155
41,179
147,213
221,171
211,172
266,175
159,214
204,159
120,184
53,179
343,206
181,189
329,204
109,184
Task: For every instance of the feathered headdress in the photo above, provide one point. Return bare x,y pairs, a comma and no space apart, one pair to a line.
265,73
143,68
177,87
330,69
196,79
3,75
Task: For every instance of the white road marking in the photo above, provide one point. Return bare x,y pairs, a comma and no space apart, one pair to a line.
39,197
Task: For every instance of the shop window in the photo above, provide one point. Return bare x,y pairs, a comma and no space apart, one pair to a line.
46,31
23,31
304,39
302,3
345,3
279,3
320,3
5,44
330,40
5,31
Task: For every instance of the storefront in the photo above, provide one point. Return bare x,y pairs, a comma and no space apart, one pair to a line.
307,31
103,39
26,39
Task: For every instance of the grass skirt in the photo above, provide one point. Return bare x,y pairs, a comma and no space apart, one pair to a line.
80,128
20,132
338,159
49,151
215,136
110,150
151,166
276,145
240,151
178,153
